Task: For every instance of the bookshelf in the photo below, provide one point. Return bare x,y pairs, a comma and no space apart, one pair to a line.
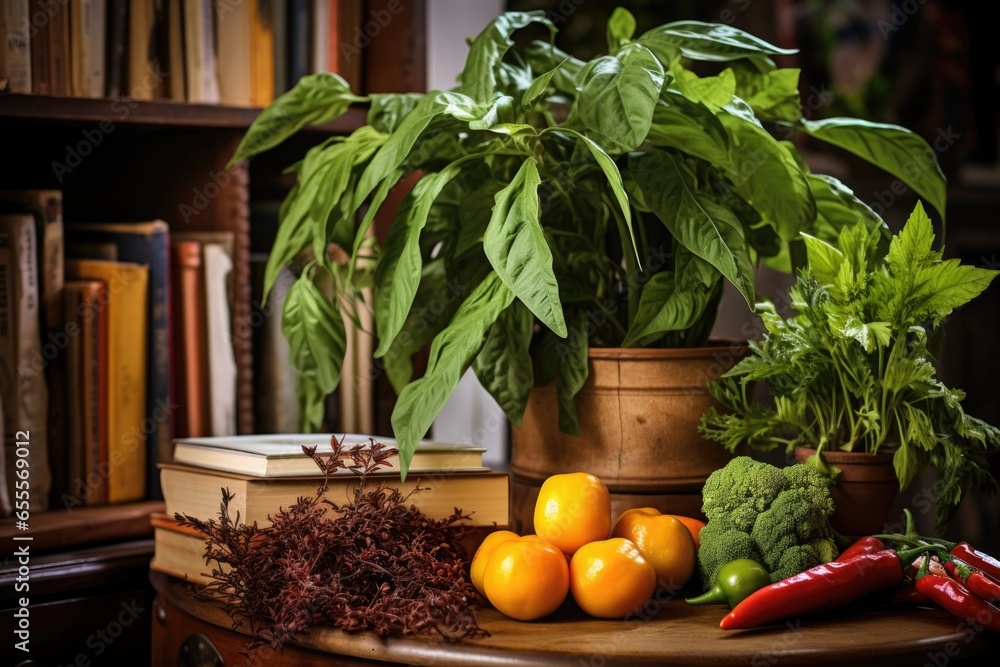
124,160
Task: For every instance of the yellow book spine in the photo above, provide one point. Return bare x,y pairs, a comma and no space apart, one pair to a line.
128,289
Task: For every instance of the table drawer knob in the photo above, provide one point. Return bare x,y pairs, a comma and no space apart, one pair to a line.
199,651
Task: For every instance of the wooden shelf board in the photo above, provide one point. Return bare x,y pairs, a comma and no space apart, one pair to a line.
59,528
164,113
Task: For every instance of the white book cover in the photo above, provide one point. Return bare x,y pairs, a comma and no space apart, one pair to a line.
221,359
199,52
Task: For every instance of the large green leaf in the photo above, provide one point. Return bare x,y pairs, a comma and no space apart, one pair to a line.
312,324
397,274
767,176
479,77
711,91
891,148
451,353
689,127
713,42
400,143
618,96
696,217
504,365
673,300
315,99
516,247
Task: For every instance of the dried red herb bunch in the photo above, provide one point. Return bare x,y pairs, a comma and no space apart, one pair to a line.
378,564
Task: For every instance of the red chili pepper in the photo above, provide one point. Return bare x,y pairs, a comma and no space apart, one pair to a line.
964,552
821,588
865,545
959,601
977,582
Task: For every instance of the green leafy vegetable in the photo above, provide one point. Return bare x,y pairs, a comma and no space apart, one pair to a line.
852,370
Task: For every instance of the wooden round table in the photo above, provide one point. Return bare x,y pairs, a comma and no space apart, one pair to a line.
672,633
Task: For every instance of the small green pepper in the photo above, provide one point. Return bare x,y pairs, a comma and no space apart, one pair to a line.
736,580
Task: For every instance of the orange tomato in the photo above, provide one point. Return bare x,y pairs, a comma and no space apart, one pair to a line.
694,526
483,553
526,578
610,578
573,509
663,540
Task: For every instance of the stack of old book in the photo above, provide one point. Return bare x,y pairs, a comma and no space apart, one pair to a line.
268,472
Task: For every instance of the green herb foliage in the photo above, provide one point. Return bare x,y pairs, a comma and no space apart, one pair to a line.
563,204
851,370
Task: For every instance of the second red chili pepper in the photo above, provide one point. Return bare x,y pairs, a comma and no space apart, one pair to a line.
865,545
959,600
964,552
977,582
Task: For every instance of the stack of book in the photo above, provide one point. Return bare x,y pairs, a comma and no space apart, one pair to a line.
268,472
205,51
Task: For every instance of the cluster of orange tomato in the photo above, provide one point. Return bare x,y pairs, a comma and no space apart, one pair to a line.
571,552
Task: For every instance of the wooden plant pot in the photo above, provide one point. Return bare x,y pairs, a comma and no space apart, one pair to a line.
865,490
639,414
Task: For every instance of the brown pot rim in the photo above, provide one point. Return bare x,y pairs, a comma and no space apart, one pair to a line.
857,458
713,347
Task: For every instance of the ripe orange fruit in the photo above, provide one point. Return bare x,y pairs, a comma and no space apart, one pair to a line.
610,578
694,526
663,540
526,578
483,553
573,509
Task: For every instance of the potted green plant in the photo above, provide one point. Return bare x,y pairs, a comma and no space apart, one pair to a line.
564,210
851,372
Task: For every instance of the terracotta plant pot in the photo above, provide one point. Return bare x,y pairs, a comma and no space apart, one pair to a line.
864,493
639,414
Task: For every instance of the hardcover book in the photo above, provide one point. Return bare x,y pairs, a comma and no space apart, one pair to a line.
197,492
281,455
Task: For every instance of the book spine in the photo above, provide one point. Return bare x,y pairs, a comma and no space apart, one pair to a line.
41,81
177,79
25,398
262,52
189,315
221,363
299,38
60,71
159,409
94,334
114,80
95,22
126,394
280,54
17,45
66,486
141,42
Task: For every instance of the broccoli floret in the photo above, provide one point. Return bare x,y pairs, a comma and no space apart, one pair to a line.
777,517
797,516
736,493
799,558
721,544
806,477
